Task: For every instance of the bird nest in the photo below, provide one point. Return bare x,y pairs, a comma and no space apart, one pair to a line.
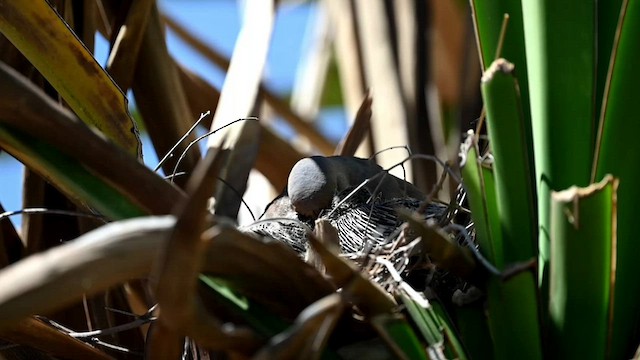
372,232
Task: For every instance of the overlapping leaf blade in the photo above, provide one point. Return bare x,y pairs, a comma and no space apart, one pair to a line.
43,37
616,153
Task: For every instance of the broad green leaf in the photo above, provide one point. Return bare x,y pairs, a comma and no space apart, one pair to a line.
332,92
423,317
489,17
582,244
508,136
617,154
560,48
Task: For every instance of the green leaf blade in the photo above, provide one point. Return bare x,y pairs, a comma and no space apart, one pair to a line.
561,62
618,153
489,19
508,135
582,241
513,317
480,187
69,175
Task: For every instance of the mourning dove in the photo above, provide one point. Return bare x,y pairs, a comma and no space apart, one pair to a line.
316,189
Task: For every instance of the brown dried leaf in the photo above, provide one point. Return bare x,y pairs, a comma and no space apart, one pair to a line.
202,97
328,235
12,57
43,37
302,126
94,262
181,261
411,19
265,270
41,231
121,63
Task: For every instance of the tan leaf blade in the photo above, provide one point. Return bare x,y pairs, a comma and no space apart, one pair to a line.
240,153
128,248
358,131
348,54
369,297
65,273
36,334
240,89
49,44
29,110
161,99
265,270
388,126
121,63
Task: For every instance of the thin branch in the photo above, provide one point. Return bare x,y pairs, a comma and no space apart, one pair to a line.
186,135
192,143
147,318
469,243
34,210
